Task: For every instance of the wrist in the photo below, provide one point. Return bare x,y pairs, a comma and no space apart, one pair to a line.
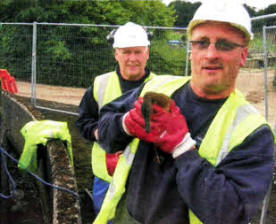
185,145
96,135
123,124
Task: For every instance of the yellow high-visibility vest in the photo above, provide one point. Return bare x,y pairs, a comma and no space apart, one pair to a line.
106,88
235,120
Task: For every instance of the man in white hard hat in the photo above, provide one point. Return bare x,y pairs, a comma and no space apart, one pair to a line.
209,158
130,42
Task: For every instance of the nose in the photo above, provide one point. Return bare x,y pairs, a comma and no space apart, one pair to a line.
211,51
132,57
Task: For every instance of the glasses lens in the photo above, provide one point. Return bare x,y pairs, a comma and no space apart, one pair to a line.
201,44
223,45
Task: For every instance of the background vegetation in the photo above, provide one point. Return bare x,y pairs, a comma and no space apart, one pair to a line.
77,60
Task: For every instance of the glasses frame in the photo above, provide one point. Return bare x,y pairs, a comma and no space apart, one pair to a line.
220,44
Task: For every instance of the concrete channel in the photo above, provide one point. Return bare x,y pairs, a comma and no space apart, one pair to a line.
56,206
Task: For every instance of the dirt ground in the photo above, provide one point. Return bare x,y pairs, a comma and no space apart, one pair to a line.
250,82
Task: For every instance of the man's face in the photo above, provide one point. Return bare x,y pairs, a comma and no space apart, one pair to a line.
132,61
215,62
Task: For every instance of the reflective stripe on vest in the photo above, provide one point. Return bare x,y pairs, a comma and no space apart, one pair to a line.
110,82
106,88
117,186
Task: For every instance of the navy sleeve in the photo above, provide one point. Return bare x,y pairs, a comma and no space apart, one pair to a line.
233,191
112,137
87,121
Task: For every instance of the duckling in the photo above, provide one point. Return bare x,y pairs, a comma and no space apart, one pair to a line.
150,98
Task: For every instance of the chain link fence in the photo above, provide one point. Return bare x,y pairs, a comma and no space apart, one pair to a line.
71,55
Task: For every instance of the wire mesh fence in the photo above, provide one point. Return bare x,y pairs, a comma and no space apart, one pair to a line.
57,61
71,55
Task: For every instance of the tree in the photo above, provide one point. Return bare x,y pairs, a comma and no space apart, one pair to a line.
270,10
184,12
57,51
251,10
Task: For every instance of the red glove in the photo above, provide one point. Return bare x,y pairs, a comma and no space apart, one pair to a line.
7,82
111,160
169,130
134,123
172,131
172,127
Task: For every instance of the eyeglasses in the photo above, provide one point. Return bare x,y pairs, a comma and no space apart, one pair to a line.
221,44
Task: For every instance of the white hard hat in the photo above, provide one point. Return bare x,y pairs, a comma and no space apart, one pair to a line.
130,35
230,11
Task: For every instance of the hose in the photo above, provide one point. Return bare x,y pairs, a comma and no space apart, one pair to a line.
5,153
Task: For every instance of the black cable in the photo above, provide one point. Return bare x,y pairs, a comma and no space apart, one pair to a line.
5,168
35,176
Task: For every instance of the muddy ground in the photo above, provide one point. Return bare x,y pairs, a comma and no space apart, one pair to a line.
249,82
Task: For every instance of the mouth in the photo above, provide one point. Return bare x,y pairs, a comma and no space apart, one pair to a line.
212,67
132,65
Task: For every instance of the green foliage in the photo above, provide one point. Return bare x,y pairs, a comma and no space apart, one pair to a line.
57,50
256,45
172,35
184,12
74,55
166,59
271,9
15,50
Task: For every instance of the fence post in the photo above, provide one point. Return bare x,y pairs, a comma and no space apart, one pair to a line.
187,58
33,97
265,71
267,196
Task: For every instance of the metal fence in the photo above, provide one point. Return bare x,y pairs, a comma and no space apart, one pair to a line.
70,55
269,56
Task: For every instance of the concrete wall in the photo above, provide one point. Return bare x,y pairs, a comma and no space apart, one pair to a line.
54,165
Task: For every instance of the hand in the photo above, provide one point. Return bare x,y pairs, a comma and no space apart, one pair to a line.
172,127
168,129
134,123
111,160
96,135
7,82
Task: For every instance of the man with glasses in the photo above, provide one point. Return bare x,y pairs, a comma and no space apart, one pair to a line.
215,151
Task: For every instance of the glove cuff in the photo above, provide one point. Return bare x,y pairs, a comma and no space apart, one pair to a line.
185,145
124,125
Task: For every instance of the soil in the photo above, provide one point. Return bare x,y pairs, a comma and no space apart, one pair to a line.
250,82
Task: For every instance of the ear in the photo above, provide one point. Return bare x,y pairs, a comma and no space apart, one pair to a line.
147,53
244,54
116,54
